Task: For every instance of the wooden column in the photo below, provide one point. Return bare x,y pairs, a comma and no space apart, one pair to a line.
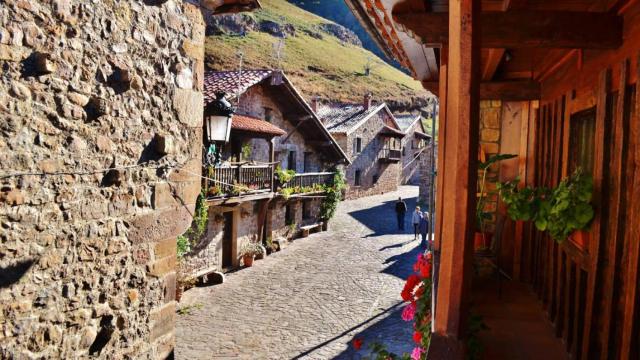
442,149
633,232
604,86
459,177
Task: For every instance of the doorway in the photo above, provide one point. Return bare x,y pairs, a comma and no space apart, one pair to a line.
227,241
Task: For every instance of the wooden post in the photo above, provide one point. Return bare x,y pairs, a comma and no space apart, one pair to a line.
456,254
442,149
633,232
272,159
604,85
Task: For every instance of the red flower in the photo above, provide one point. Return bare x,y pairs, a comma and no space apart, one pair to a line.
409,286
417,337
357,343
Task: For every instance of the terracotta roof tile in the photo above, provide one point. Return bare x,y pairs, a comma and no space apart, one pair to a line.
231,82
250,124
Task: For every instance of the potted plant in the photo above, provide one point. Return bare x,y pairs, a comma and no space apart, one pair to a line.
568,212
248,253
262,252
522,204
483,237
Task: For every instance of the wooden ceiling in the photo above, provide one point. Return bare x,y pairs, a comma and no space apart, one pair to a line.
518,59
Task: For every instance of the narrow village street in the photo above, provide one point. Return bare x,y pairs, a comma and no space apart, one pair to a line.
310,300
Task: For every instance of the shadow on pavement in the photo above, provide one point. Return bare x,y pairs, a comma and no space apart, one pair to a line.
401,265
381,219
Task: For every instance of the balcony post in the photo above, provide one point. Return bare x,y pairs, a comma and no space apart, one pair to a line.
272,159
459,179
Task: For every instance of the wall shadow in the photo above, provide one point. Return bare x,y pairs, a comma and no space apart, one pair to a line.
381,219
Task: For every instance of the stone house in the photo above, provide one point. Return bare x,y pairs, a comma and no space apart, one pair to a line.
372,139
273,127
100,137
414,146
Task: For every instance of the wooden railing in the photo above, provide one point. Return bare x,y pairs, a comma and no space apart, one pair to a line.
237,180
391,154
310,179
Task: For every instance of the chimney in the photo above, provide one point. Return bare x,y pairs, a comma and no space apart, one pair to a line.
314,104
367,101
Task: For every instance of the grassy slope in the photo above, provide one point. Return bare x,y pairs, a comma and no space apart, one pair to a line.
338,68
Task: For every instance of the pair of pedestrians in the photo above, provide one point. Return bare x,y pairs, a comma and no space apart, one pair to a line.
419,220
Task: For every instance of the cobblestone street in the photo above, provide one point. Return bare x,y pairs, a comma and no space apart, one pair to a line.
310,300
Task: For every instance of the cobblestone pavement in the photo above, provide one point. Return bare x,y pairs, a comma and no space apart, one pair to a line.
310,300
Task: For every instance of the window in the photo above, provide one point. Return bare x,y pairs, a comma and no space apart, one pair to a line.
357,178
291,161
357,146
375,178
307,162
268,114
404,150
306,210
581,140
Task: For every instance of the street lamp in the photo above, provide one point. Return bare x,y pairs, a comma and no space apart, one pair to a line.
218,115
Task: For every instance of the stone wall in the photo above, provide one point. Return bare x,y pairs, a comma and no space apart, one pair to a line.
88,256
367,161
490,122
278,225
255,102
410,147
424,171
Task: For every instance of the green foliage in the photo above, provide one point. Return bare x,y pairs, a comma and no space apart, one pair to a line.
333,195
560,211
481,215
287,192
474,346
198,226
570,206
284,176
522,203
246,151
380,352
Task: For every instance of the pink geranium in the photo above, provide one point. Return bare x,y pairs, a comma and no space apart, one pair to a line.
409,312
416,353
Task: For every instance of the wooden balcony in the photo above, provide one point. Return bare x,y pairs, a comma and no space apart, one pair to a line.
390,155
307,180
242,180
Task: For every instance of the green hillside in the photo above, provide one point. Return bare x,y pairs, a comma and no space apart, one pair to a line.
327,67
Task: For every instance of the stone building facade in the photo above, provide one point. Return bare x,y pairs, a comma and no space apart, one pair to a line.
414,145
101,131
366,132
268,102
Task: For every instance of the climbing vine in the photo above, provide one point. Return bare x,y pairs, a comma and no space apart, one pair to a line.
333,195
198,227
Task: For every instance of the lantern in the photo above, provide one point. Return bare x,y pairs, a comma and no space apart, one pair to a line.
218,119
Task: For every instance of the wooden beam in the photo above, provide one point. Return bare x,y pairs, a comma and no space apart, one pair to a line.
491,65
456,254
502,90
525,29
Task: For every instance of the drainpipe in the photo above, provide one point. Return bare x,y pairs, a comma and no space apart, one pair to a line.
435,255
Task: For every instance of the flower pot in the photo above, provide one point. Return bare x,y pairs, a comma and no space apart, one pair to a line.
247,260
580,238
481,241
261,255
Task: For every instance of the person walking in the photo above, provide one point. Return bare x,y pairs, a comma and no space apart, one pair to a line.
424,230
401,210
415,220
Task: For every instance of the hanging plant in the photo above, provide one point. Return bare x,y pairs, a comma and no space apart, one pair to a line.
522,204
333,195
284,176
569,206
197,229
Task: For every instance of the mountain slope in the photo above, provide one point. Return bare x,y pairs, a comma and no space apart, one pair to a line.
338,12
317,62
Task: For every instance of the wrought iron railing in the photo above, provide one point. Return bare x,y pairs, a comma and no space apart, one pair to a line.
306,180
237,180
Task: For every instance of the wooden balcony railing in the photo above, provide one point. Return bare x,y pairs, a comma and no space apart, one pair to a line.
238,180
309,180
391,155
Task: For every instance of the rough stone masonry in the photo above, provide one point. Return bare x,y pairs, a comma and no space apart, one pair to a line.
87,257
